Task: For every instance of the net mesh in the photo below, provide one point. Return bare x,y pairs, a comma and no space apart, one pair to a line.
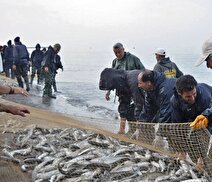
148,152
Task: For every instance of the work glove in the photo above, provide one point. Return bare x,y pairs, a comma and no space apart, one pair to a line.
200,122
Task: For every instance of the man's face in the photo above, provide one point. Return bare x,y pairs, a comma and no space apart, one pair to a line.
209,63
147,86
157,57
189,96
119,52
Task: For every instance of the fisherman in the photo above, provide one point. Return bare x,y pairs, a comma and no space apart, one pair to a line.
192,102
58,65
15,110
8,54
206,54
21,63
124,61
158,91
165,65
36,59
49,69
125,83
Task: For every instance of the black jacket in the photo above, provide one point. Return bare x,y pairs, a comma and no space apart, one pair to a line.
183,112
126,84
157,106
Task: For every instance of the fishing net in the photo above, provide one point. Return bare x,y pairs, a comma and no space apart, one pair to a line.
178,140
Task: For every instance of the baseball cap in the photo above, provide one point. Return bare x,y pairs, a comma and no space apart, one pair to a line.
161,51
57,46
206,51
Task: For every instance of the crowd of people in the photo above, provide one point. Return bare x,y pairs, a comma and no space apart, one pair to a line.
44,63
161,95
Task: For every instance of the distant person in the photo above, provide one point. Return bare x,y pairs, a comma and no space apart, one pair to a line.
1,59
21,63
159,90
192,102
123,61
8,54
36,59
206,54
49,69
44,50
16,110
126,85
42,71
165,65
58,65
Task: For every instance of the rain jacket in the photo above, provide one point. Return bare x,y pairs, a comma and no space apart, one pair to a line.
169,68
8,55
183,112
157,107
20,54
128,62
36,58
126,84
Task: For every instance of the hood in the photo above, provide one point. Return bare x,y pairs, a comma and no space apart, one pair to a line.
158,79
111,79
164,61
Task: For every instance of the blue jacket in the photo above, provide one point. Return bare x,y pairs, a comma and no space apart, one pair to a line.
183,112
157,106
20,54
126,85
8,55
36,58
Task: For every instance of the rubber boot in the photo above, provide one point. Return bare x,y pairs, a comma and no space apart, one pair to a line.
20,82
55,87
31,81
27,83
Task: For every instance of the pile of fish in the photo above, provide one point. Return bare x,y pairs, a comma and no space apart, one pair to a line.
77,155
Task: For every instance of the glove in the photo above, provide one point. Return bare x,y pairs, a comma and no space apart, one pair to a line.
200,122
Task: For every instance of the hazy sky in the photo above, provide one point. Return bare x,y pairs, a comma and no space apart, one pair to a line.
98,24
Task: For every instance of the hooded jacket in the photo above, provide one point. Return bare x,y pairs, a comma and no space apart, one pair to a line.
184,112
20,54
169,68
36,58
126,84
157,107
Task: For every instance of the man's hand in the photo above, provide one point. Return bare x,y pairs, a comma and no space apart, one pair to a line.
107,95
19,90
14,67
46,69
16,110
200,122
